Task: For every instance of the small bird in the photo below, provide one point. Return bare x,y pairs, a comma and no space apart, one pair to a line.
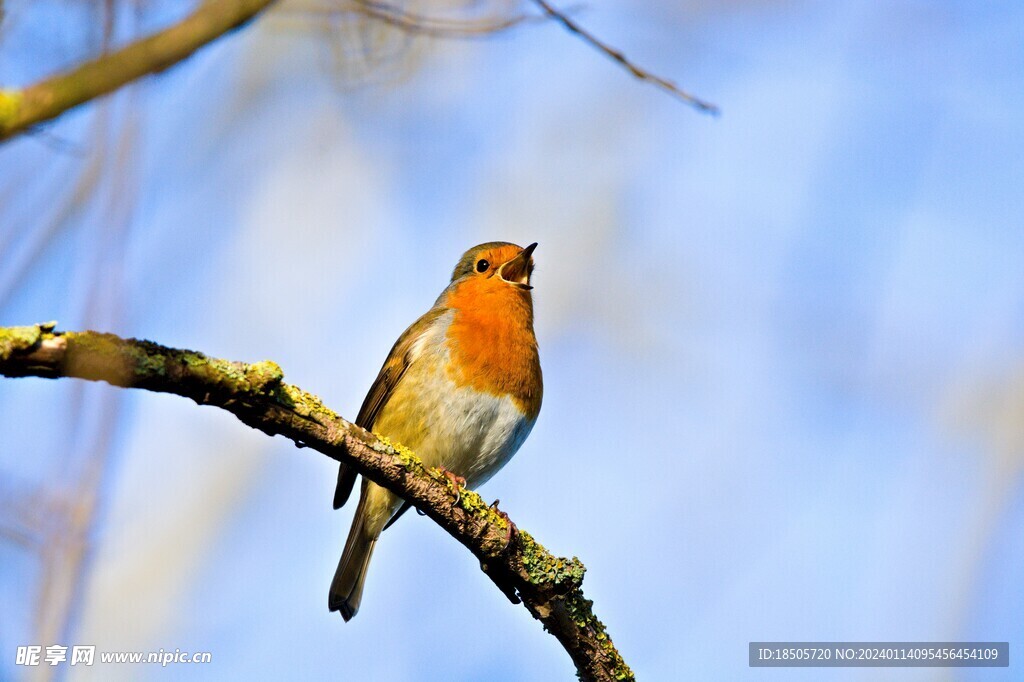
461,388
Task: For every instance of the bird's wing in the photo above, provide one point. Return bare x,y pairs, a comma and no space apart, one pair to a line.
398,361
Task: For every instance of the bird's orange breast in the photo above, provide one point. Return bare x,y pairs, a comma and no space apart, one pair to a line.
491,341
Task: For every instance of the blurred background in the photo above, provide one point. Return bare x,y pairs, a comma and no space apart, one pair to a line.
783,349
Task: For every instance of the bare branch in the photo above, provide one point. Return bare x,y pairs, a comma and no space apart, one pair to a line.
625,62
420,24
549,586
21,109
47,99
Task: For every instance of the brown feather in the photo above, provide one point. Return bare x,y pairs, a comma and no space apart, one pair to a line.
383,387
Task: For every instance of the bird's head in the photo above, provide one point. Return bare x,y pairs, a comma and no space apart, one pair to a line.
496,264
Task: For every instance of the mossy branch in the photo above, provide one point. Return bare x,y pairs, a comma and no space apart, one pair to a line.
549,586
49,98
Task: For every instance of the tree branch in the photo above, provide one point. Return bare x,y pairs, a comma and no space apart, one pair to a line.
47,99
22,109
617,55
549,586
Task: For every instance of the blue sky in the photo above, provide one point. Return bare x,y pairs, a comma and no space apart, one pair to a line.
782,348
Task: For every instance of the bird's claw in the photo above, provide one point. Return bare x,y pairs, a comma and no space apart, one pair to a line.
458,482
512,529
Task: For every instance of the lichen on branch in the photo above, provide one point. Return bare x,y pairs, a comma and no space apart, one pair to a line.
549,586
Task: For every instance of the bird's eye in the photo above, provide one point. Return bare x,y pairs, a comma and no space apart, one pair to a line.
482,265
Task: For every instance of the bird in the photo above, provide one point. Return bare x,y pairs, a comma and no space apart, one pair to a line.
461,387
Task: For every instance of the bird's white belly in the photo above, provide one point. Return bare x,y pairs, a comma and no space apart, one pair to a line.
470,433
480,435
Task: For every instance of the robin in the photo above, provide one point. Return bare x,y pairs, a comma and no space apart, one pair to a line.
461,387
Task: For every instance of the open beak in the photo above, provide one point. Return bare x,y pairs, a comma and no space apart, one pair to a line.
517,271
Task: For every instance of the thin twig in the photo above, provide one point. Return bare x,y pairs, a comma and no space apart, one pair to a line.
625,62
419,24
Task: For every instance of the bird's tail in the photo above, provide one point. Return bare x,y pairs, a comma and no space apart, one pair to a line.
347,586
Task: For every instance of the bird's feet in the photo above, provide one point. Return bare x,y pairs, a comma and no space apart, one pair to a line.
458,482
512,529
